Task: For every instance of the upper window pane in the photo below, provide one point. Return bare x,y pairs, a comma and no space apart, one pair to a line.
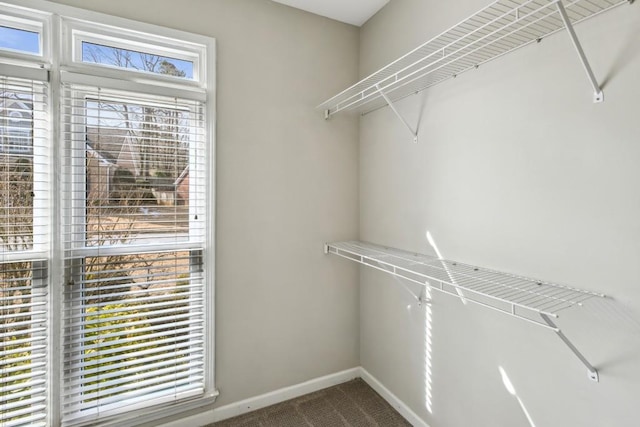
134,60
140,161
16,168
20,40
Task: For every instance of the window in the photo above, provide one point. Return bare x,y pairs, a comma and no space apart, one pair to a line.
101,49
106,222
134,241
135,60
19,40
22,33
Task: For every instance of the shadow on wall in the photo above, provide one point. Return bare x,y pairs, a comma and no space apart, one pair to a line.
626,55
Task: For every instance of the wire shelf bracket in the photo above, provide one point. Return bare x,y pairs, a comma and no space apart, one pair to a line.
500,28
591,371
390,103
531,300
598,96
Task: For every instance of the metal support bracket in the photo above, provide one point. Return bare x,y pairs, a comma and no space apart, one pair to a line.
414,133
598,96
592,372
422,298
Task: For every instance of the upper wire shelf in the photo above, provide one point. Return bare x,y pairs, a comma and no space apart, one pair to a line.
517,296
500,28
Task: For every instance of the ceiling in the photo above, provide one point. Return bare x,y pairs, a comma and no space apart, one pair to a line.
354,12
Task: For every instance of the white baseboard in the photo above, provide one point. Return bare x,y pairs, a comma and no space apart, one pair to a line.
267,399
392,399
283,394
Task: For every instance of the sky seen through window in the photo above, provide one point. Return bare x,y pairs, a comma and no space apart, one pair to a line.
19,40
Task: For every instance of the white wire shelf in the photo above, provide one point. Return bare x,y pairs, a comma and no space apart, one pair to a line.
500,28
508,293
532,300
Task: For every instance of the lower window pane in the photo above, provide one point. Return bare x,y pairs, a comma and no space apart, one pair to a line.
23,338
134,331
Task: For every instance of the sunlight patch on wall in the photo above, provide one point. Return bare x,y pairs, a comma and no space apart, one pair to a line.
428,351
444,265
512,391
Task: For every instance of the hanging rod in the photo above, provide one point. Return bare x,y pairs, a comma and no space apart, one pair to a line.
531,300
496,30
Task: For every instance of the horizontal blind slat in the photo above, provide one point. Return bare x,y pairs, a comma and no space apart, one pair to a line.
80,319
131,366
31,391
136,350
130,340
9,415
25,385
133,379
8,407
149,397
169,321
38,367
167,382
20,377
32,348
91,323
173,328
31,421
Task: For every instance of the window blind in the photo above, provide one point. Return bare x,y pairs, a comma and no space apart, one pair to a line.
24,245
134,240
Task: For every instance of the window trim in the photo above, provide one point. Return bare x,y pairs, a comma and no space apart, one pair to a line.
75,31
80,37
114,78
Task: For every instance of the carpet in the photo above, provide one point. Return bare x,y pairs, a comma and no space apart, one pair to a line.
353,403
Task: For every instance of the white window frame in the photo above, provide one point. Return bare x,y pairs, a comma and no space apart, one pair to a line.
191,241
74,71
39,253
105,38
61,26
77,31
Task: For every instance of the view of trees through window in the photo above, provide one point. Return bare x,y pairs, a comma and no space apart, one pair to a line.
16,170
102,217
137,171
136,307
131,59
22,306
22,338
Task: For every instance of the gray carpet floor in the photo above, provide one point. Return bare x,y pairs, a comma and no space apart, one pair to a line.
353,403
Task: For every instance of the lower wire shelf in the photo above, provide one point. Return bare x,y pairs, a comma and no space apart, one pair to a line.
534,301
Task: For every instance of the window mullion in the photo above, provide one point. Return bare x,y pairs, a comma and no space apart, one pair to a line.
56,272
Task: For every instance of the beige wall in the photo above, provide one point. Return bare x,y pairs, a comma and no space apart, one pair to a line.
286,183
517,170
